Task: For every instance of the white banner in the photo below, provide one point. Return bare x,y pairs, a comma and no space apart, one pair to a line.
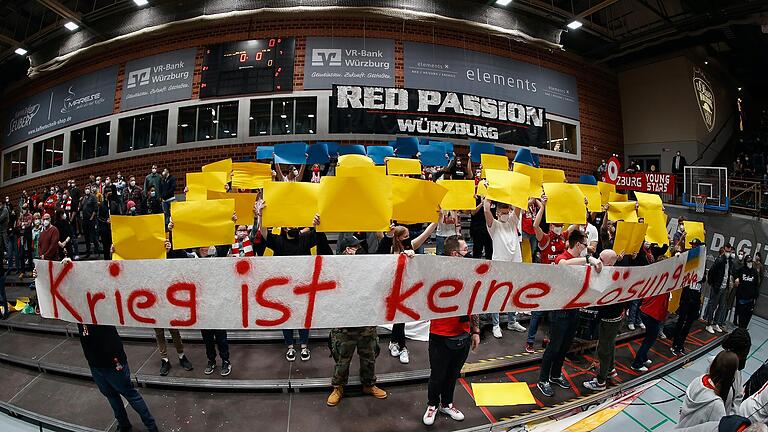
333,291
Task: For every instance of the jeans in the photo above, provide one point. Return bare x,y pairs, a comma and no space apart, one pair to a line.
744,313
562,324
439,244
511,316
532,240
398,335
3,295
89,233
690,304
634,309
651,334
533,325
445,368
10,247
481,242
216,339
715,312
303,337
112,384
167,211
606,348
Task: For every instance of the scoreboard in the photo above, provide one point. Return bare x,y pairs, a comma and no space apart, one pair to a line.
252,66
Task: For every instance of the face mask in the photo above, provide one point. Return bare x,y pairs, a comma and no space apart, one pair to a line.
749,265
557,230
212,251
152,194
504,218
64,216
681,229
154,170
46,222
316,169
295,173
133,211
37,221
133,183
107,182
741,256
87,192
292,232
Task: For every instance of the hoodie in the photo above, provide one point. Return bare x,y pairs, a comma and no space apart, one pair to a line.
701,404
755,407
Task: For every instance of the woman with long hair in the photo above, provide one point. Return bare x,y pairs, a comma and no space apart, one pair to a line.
706,396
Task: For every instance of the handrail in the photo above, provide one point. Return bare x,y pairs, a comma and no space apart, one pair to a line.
722,127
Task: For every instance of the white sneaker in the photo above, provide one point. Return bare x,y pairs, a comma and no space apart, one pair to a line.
526,313
404,359
662,335
515,326
717,328
648,362
709,329
429,415
631,327
642,326
394,349
497,332
451,411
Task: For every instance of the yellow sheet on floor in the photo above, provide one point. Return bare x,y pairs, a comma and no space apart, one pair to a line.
502,394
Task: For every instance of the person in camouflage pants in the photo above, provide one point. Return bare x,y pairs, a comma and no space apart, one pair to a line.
344,342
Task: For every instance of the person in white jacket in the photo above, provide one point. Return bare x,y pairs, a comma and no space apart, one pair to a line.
706,396
755,407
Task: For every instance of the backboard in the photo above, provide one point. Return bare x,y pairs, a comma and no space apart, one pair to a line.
709,181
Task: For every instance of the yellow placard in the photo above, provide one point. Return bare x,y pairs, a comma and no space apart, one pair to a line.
622,211
617,197
354,160
502,394
224,166
290,204
354,204
565,204
605,192
198,184
244,202
481,190
629,237
460,195
648,203
508,187
535,175
401,166
138,237
492,161
414,200
355,171
551,175
202,223
694,230
594,200
657,228
250,175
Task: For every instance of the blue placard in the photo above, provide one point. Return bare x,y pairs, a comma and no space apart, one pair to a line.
406,147
535,158
478,148
524,156
433,156
378,153
446,145
265,152
318,154
357,149
501,151
588,179
333,147
291,153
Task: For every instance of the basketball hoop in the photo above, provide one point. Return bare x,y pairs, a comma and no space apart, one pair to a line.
700,201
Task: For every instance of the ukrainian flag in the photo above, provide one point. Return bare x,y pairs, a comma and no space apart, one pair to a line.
694,255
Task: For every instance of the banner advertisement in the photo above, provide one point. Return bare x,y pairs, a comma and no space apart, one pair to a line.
647,182
83,98
398,111
161,78
362,61
333,291
454,69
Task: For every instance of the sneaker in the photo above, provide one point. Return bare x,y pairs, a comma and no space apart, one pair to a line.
709,329
394,349
290,355
226,368
717,328
304,355
210,368
529,348
613,373
452,412
429,415
561,381
185,363
546,389
639,369
497,332
642,326
674,351
165,367
648,362
404,358
515,326
631,327
335,396
662,335
594,385
375,392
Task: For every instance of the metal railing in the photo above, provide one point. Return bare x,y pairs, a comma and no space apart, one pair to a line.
746,196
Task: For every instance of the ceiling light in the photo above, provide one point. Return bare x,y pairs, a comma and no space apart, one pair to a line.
71,26
573,25
283,116
250,118
503,2
20,51
311,115
141,2
184,125
739,89
706,62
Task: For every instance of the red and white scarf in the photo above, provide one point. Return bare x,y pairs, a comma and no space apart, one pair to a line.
68,205
247,248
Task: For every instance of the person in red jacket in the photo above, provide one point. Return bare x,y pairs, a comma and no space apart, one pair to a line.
48,243
653,312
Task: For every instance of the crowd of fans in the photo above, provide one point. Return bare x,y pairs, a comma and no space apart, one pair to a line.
49,224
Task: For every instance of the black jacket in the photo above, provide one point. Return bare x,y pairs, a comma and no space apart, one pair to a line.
167,187
102,346
717,272
748,288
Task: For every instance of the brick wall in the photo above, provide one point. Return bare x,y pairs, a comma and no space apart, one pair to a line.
601,129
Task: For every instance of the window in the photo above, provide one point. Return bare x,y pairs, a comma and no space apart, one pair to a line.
187,124
561,137
305,115
261,112
142,131
15,164
208,122
48,154
283,116
89,142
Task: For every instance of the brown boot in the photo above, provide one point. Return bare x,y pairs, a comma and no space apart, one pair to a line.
335,397
375,392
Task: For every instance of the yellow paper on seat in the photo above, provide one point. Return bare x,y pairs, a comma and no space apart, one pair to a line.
622,211
401,166
202,223
648,203
502,394
250,175
551,175
565,204
693,230
198,184
536,176
354,204
138,237
594,200
617,197
508,187
244,202
629,237
657,228
460,195
414,200
605,192
224,166
492,161
290,204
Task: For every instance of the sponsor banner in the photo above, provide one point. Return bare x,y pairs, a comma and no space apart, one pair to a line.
162,78
455,69
84,98
333,291
363,61
399,111
647,182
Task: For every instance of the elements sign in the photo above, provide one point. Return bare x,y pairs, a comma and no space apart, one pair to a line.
455,69
705,98
332,61
84,98
386,110
162,78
